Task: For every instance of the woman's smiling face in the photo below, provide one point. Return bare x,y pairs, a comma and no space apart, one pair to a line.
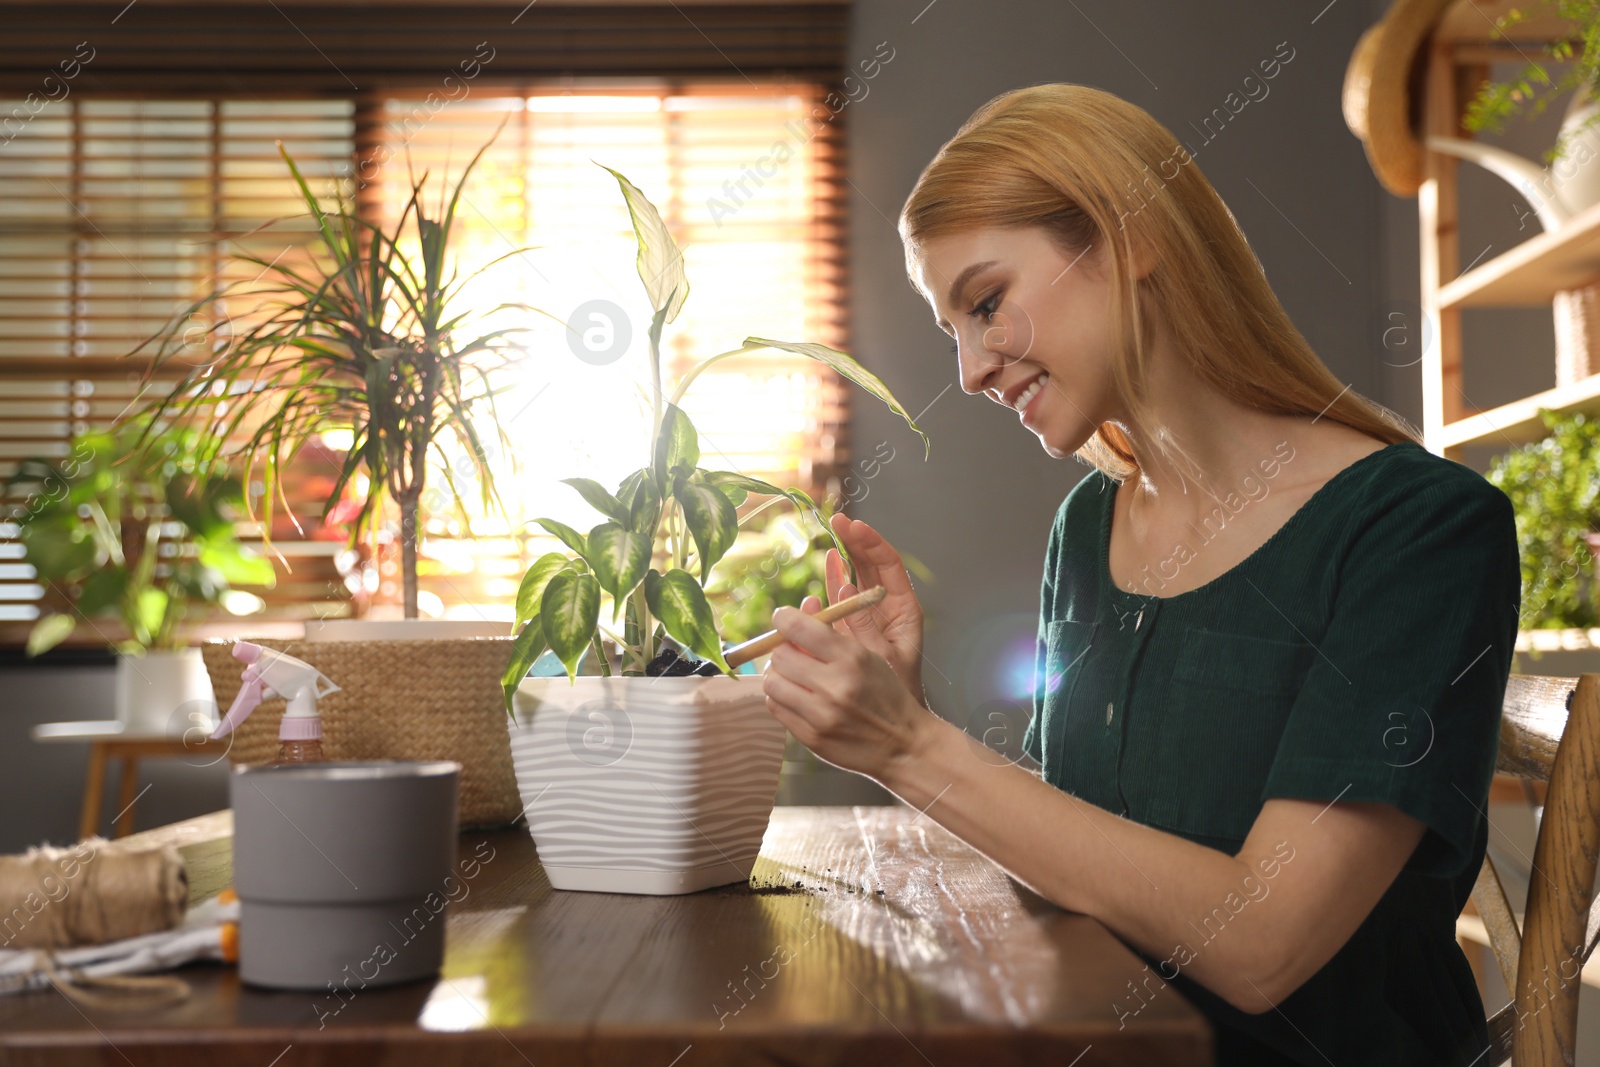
1031,327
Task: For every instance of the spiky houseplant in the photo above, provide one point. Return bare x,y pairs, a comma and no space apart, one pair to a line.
369,337
671,509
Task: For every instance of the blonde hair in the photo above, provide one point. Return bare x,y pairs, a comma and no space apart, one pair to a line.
1084,164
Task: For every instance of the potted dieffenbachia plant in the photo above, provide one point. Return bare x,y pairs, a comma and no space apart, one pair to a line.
663,784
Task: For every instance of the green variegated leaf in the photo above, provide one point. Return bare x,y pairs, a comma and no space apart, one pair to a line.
569,537
711,521
660,261
528,646
678,601
570,611
807,506
531,592
599,499
629,489
644,511
847,366
677,445
619,558
737,486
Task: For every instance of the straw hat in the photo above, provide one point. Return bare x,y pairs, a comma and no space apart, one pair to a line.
1382,91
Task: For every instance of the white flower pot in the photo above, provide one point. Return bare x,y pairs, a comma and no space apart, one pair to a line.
646,785
159,691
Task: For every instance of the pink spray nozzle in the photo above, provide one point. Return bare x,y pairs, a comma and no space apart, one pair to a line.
251,692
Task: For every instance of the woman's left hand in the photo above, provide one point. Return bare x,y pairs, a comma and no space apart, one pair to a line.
840,699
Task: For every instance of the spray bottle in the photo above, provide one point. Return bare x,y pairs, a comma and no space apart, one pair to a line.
273,674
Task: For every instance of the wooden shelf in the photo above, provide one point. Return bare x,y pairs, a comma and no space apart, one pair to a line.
1474,21
1518,422
1532,273
1573,640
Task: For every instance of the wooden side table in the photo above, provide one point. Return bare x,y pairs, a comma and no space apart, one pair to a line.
107,741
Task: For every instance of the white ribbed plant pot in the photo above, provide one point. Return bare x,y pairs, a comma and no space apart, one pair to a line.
646,785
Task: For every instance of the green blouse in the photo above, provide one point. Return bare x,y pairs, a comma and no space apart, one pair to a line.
1361,653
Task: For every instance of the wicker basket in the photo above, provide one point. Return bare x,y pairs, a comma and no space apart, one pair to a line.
425,699
1577,324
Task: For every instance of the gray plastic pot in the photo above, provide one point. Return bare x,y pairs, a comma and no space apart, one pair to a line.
342,871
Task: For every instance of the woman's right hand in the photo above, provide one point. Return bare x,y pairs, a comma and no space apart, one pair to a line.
893,626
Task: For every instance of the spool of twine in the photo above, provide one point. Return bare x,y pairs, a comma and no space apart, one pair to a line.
93,893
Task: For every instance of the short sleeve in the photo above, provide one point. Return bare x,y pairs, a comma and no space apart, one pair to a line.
1030,737
1403,700
1031,741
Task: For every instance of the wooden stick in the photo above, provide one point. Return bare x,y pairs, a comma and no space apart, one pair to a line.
760,646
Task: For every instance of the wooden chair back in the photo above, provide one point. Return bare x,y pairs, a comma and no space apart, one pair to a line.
1549,732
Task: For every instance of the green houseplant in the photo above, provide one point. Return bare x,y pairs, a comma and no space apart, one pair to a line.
1554,486
372,330
136,537
670,510
368,336
1496,101
634,783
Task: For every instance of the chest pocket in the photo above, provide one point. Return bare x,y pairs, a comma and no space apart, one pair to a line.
1218,728
1067,650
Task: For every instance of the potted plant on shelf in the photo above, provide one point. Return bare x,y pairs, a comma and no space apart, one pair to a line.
136,538
1555,494
369,335
633,781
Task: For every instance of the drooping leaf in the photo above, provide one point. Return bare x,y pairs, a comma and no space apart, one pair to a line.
49,632
570,611
569,537
678,601
736,486
530,594
807,506
528,646
619,557
677,445
711,521
660,261
847,366
599,499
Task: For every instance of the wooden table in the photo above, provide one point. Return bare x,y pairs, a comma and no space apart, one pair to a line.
865,935
108,740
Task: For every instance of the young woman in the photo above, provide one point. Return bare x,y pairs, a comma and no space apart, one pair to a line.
1274,633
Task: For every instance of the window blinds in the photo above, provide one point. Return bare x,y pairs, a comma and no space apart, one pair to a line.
111,211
